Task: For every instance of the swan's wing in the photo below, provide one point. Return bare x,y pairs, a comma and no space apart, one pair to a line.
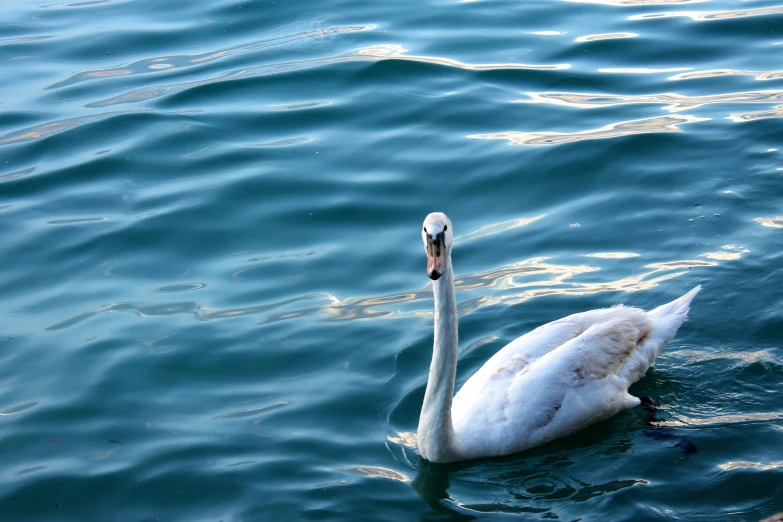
581,382
562,377
590,360
564,390
602,349
517,356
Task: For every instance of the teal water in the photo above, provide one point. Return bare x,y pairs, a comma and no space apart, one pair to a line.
214,304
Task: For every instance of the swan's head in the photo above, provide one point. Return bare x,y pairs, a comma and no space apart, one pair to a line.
436,234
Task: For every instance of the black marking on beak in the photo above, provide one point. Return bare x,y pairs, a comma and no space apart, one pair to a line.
436,249
435,244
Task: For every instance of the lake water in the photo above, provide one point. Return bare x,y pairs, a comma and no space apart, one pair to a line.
214,304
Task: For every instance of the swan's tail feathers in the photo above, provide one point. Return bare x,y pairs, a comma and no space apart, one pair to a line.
675,312
668,318
666,321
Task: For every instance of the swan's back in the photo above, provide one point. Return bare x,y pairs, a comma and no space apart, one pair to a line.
561,377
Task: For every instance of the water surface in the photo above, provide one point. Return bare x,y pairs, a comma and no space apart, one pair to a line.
214,299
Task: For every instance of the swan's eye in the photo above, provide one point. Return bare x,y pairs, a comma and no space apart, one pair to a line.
425,230
445,227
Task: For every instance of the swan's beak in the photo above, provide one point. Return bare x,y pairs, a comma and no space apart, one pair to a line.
436,251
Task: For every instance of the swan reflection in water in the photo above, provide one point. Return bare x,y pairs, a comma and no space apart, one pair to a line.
535,480
535,484
432,485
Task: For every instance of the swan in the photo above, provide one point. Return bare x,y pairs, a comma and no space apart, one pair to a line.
549,383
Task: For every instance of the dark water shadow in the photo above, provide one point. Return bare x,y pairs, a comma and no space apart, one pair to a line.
533,483
432,485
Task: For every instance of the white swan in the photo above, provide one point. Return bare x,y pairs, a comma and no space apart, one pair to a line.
549,383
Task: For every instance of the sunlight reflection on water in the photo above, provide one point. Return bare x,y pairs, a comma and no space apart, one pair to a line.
613,130
529,279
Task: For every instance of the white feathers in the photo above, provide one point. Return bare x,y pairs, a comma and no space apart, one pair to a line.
561,377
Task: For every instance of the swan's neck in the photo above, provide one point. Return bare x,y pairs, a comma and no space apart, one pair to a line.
437,442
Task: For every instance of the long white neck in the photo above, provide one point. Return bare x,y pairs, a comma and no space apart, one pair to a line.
437,442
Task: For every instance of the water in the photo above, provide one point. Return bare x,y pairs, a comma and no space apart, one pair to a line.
213,288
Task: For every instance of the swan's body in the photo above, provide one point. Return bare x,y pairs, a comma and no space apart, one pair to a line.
549,383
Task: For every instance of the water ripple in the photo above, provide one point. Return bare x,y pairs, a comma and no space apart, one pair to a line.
724,420
181,287
705,16
613,255
497,228
45,130
380,472
730,466
27,471
614,130
774,222
674,102
728,253
82,4
72,221
777,112
604,36
48,129
637,3
24,39
17,174
288,142
739,358
642,70
18,409
374,53
174,62
511,284
254,412
713,73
